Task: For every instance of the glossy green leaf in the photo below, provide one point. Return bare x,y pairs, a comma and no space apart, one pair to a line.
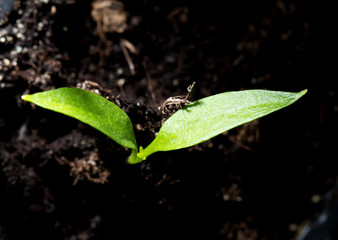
89,108
208,117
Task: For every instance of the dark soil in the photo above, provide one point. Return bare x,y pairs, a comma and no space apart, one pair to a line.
61,179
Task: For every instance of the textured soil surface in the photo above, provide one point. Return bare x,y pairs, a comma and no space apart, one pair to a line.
268,179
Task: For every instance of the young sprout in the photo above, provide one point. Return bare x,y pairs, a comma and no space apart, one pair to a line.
190,124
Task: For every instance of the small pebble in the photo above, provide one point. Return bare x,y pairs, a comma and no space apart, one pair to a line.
6,62
293,227
316,198
120,71
121,82
53,10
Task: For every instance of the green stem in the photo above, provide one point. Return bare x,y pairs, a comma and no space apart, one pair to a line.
133,159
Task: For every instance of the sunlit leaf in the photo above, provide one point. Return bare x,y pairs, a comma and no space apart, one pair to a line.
208,117
89,108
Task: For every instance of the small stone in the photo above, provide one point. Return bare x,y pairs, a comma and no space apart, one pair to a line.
53,10
20,36
20,25
9,39
15,62
316,198
18,49
176,82
6,61
120,71
293,227
121,82
40,26
3,32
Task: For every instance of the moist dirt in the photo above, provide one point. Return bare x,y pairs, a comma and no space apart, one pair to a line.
61,179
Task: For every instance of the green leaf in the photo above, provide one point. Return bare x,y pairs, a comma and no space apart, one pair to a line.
89,108
209,117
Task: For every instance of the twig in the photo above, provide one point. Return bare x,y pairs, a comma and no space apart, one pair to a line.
127,56
149,83
190,88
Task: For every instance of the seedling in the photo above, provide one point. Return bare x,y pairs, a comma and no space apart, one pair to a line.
194,123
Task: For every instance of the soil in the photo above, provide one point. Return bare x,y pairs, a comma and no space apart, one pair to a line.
61,179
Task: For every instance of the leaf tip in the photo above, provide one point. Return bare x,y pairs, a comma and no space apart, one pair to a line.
25,97
303,92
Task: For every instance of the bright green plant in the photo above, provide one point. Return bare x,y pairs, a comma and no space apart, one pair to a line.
193,124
